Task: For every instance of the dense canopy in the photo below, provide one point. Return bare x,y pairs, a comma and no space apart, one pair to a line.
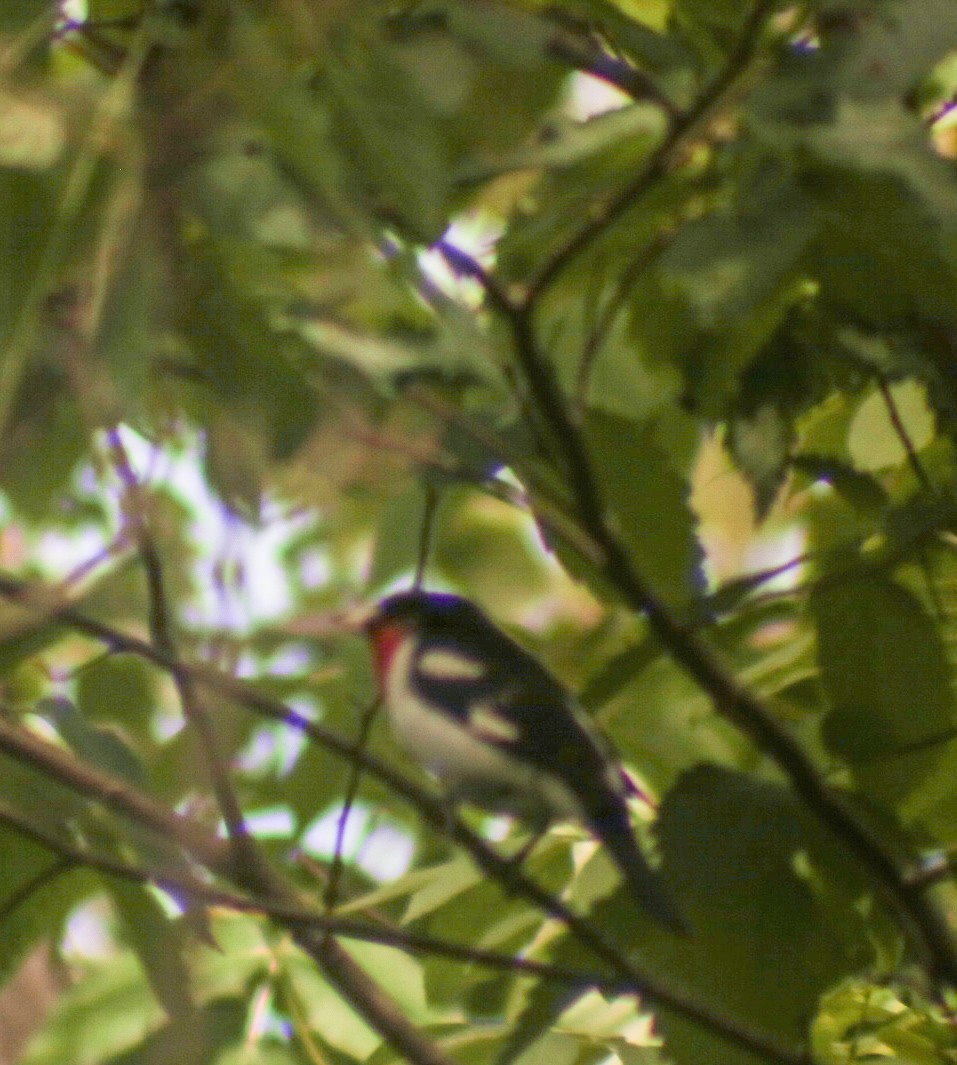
634,321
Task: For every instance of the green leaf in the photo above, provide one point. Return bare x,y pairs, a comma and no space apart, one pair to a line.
397,157
43,443
875,442
22,636
398,542
118,688
619,671
712,27
759,884
648,504
36,894
154,938
760,445
319,1010
881,659
867,1020
861,490
118,996
740,271
102,747
567,143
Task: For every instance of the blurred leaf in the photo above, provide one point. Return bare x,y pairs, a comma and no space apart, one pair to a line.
397,157
22,636
740,272
43,445
565,143
132,318
759,885
713,28
118,688
398,543
881,656
19,16
886,1022
318,1009
36,893
874,441
760,445
153,937
861,490
120,999
101,746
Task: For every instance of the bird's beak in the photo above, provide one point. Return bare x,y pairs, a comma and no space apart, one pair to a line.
360,618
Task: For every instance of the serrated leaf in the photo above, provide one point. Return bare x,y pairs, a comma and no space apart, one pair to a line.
648,503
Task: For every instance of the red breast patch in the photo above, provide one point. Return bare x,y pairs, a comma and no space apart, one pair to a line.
386,637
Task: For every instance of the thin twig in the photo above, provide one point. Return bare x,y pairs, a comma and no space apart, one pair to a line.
893,412
71,855
352,789
379,1010
733,700
920,474
433,810
112,793
53,871
429,510
162,632
601,216
610,312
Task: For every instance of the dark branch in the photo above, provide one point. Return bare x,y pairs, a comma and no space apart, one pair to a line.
162,631
732,699
112,793
588,56
53,871
434,811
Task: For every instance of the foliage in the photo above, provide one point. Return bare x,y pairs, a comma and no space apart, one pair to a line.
298,297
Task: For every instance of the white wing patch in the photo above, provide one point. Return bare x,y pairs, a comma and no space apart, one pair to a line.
487,722
447,665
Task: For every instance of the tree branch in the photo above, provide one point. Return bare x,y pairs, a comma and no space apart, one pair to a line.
379,1010
601,216
583,53
163,635
54,871
112,793
733,700
435,812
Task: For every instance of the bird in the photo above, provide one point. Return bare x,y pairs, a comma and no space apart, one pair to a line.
500,731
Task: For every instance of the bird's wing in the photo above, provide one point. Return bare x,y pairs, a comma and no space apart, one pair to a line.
505,698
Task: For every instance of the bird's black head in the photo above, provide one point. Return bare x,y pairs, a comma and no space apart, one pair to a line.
426,611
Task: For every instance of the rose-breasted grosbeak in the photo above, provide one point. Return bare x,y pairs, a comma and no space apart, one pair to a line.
487,719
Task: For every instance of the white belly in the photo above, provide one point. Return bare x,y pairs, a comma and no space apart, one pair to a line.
471,767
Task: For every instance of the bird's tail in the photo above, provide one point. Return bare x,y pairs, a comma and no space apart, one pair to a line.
614,830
